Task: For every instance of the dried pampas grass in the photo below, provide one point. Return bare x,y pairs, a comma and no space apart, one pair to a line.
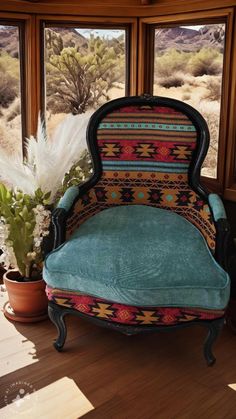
48,159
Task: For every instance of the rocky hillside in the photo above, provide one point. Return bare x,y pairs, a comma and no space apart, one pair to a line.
70,37
180,38
186,39
9,40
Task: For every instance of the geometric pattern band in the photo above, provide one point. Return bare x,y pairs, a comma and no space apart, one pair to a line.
126,314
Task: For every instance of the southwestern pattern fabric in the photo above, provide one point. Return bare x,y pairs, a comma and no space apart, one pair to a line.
125,314
145,154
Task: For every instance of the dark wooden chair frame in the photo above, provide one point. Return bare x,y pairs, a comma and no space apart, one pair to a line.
59,217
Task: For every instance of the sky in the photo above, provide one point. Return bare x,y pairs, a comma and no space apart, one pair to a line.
109,33
196,27
115,33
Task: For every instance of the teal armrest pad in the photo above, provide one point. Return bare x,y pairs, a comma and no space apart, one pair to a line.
217,206
68,198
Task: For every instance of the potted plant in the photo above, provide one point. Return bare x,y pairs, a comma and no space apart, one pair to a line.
24,223
28,192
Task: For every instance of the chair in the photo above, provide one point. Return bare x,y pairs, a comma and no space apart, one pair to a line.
141,246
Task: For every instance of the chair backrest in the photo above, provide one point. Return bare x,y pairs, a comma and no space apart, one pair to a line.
149,151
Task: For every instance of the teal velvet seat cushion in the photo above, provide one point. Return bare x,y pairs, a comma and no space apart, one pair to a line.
139,255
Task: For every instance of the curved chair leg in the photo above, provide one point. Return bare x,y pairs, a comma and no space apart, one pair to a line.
214,329
56,315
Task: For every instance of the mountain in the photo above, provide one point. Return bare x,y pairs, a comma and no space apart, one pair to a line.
178,37
186,39
9,40
71,37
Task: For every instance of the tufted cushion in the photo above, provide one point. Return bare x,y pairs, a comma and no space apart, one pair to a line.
142,256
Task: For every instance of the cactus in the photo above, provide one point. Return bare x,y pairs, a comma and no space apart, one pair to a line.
77,79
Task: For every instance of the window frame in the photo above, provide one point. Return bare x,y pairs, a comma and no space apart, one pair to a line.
24,24
139,19
230,175
129,24
145,84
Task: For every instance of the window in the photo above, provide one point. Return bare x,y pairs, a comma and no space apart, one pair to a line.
174,50
188,65
34,34
84,67
10,88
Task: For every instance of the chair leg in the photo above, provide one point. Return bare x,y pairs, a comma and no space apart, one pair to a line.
214,328
56,315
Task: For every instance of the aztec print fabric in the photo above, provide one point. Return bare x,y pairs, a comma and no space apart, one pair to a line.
145,154
125,314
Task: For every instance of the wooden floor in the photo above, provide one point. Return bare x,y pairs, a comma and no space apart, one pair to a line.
109,375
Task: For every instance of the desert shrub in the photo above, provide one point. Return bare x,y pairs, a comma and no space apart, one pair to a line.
206,61
9,65
8,89
214,90
187,89
56,105
13,110
9,79
175,80
171,62
186,96
10,136
211,111
77,80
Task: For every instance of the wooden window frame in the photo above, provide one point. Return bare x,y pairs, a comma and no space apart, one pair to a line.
129,24
25,24
139,19
230,173
145,82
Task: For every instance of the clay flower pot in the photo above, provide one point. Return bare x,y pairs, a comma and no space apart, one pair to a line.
27,300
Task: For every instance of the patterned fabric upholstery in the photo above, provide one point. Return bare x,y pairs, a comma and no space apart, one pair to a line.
145,154
126,314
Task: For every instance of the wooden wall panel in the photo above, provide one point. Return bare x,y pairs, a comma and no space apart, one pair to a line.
115,8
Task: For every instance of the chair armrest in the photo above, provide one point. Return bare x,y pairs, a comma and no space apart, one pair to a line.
217,207
59,216
61,213
222,230
69,197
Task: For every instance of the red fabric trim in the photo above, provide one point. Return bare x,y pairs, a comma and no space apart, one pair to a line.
126,314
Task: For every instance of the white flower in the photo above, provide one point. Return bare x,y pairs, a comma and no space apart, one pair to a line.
42,222
7,259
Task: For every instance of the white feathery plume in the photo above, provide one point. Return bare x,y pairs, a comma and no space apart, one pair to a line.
14,173
53,157
39,158
47,159
67,143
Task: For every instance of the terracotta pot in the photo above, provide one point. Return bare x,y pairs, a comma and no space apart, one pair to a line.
27,300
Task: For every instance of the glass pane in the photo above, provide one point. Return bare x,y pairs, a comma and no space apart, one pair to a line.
84,68
10,92
188,66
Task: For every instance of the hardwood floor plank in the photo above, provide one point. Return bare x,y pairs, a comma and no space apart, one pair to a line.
145,376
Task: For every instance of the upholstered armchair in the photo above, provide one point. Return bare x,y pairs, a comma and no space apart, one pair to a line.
141,246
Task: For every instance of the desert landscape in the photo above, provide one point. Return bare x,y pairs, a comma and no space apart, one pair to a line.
188,66
82,72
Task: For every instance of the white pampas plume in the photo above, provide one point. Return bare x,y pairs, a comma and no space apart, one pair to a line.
67,143
48,160
14,173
